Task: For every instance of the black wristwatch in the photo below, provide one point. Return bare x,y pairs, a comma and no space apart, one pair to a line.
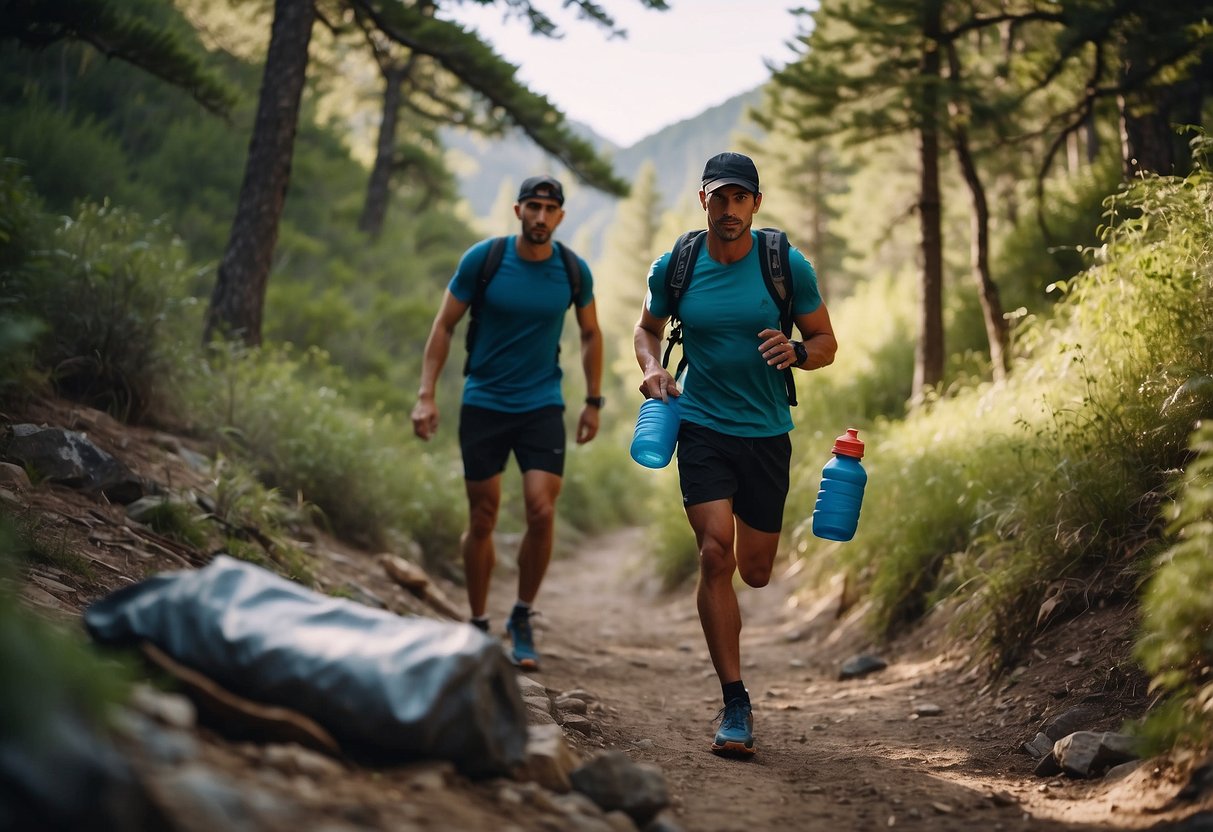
802,354
595,401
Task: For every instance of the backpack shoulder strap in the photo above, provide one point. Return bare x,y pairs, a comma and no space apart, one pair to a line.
775,258
678,271
681,266
572,268
488,268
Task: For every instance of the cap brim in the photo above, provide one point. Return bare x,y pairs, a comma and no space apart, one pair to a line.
749,184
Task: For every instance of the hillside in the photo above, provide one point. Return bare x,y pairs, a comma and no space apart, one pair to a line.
928,742
484,167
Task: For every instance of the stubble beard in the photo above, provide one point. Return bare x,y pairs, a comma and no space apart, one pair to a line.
536,236
728,234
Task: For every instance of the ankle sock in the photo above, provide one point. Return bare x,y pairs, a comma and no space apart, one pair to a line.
521,610
734,690
481,622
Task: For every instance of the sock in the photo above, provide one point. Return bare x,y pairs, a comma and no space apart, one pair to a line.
734,690
481,622
521,610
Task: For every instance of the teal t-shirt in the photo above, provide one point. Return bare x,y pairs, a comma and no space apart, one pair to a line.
514,366
728,386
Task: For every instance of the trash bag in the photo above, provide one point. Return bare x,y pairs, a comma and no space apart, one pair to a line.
387,685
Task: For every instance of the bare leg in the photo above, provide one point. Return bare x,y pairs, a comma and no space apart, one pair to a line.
540,490
719,613
755,554
479,556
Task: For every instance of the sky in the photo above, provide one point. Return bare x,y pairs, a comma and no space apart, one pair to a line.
672,65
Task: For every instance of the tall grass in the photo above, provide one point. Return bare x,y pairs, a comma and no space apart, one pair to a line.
1029,500
1178,609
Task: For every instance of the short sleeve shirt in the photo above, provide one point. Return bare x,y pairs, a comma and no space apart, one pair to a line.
514,364
728,386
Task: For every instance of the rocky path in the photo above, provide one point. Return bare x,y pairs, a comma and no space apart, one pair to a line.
930,742
923,744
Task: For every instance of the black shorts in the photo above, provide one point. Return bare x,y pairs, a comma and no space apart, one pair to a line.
752,472
486,438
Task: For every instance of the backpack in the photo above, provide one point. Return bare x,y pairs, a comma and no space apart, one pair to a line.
773,256
488,269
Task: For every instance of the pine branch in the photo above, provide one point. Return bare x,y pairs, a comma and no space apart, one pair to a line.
479,68
39,23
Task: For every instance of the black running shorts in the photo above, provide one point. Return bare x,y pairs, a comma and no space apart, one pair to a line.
752,472
486,438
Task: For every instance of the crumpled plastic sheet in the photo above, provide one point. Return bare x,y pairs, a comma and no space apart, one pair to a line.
397,687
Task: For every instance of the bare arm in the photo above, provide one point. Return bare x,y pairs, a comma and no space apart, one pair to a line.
818,334
658,383
591,363
819,342
437,348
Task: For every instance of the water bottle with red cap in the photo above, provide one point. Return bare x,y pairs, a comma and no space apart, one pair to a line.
842,481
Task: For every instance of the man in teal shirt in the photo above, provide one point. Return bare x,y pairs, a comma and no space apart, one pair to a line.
512,401
734,450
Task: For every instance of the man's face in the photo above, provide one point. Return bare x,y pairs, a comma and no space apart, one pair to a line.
731,210
540,217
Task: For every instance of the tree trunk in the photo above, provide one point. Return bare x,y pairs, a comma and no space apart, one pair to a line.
987,289
929,356
379,186
1148,140
239,296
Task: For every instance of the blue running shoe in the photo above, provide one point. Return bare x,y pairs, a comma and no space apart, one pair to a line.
522,640
735,737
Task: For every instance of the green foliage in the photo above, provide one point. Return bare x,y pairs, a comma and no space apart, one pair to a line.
46,672
603,488
257,521
74,156
106,284
1178,608
31,537
1026,500
1028,261
288,416
178,521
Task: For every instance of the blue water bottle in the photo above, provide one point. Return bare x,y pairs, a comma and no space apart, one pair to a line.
842,480
656,432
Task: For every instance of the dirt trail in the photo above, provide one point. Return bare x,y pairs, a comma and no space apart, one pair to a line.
839,755
832,755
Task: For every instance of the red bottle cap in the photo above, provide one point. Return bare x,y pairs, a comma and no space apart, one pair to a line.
849,444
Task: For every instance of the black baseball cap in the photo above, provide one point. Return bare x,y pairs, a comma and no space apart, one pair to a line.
730,169
544,187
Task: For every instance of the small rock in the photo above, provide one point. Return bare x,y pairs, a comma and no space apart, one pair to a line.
861,665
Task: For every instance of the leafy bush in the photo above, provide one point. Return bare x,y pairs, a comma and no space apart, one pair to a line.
108,288
288,417
1178,609
1028,499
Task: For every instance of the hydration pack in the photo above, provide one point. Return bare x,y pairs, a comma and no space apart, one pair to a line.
488,268
776,266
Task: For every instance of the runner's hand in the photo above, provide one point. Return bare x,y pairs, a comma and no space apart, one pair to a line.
425,418
587,425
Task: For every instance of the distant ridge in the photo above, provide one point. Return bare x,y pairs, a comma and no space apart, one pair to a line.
483,167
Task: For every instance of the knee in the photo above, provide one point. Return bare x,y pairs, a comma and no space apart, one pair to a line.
540,514
716,560
482,519
756,574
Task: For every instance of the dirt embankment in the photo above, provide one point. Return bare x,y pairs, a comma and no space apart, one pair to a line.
930,742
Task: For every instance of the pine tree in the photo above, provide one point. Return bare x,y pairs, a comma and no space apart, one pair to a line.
236,304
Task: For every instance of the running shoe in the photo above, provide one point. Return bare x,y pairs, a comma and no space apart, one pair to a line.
736,734
522,642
